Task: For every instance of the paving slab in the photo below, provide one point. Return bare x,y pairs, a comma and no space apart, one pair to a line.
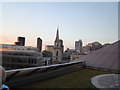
106,81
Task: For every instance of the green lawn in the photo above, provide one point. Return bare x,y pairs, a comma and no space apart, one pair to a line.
78,79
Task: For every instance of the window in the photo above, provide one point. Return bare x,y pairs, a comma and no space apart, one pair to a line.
31,61
34,61
57,53
28,60
57,44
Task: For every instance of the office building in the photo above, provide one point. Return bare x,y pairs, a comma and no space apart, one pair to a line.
16,57
20,41
49,48
75,56
15,47
47,58
78,46
39,44
92,47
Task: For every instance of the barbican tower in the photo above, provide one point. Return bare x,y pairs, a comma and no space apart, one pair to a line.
39,44
58,49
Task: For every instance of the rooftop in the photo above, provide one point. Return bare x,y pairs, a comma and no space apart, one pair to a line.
78,79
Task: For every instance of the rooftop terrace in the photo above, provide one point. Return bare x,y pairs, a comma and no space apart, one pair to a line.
77,79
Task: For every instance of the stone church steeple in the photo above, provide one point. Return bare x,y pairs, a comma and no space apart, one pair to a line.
57,35
58,49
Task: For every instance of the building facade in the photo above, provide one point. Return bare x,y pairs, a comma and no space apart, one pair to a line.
96,46
58,49
17,57
61,45
86,49
20,41
92,47
21,59
69,52
75,56
49,48
39,44
15,47
78,46
47,58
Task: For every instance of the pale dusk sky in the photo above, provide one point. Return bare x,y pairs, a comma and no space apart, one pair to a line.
89,21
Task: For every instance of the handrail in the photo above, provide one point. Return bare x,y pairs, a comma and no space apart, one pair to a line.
42,66
29,70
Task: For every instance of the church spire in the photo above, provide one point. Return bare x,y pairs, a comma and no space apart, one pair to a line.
57,35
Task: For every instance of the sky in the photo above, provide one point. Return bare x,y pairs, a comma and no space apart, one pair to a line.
88,21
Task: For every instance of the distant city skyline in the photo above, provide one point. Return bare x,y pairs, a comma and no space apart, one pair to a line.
88,21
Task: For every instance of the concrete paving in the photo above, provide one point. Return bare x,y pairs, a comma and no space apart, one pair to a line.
107,81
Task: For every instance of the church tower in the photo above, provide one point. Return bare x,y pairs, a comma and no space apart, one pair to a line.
58,49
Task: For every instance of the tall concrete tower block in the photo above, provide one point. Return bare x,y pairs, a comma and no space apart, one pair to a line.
78,46
20,41
39,44
58,49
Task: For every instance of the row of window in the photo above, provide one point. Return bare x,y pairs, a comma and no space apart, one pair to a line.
19,54
14,66
45,63
20,60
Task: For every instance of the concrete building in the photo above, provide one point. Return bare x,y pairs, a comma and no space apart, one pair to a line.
96,46
92,47
6,47
58,49
47,58
49,48
20,41
39,44
69,52
47,61
78,46
86,49
17,43
16,57
75,56
21,59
